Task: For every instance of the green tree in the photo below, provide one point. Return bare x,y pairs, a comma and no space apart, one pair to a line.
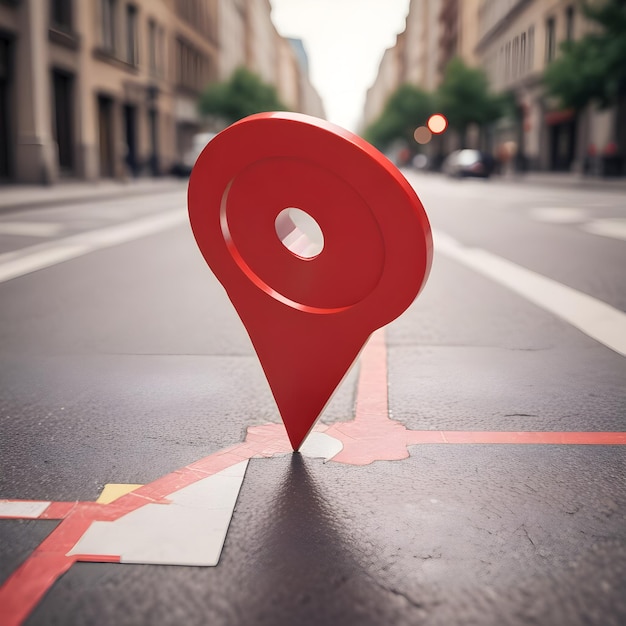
243,94
406,109
464,98
593,68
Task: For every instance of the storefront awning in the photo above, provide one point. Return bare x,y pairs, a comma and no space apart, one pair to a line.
559,117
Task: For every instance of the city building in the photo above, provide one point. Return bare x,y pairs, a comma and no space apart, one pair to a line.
261,41
388,79
513,41
232,29
94,89
431,48
85,92
518,39
467,33
449,33
194,57
310,100
288,85
416,37
414,59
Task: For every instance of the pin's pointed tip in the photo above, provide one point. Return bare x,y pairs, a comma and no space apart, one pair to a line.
296,441
295,444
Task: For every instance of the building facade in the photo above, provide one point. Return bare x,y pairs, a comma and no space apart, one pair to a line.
94,89
308,97
518,39
387,81
261,41
288,86
194,58
513,41
415,58
232,17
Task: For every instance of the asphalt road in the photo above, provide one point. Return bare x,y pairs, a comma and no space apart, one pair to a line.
125,362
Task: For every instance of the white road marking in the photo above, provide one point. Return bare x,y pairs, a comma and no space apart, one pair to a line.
31,229
593,317
24,509
607,227
189,530
320,445
33,258
38,260
559,215
614,227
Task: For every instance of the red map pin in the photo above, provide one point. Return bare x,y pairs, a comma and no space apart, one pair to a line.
308,312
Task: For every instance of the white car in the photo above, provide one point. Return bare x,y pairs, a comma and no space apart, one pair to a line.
198,142
468,163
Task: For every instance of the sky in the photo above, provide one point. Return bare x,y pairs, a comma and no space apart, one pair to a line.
345,41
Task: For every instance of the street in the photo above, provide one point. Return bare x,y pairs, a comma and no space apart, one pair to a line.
122,362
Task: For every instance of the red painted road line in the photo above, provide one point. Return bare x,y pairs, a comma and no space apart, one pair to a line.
24,589
596,438
59,510
371,436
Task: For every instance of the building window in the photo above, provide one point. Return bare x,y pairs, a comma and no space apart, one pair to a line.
199,15
152,48
191,67
132,56
6,63
516,57
156,49
569,23
62,90
531,48
106,136
522,54
550,39
507,61
108,25
61,14
161,52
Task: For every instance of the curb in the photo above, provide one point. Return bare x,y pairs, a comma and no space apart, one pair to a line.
574,182
90,195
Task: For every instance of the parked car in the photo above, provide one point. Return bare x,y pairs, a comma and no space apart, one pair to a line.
468,163
420,162
198,142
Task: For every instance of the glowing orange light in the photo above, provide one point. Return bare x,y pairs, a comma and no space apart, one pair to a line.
437,123
422,135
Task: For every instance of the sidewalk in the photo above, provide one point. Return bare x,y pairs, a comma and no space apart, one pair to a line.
560,180
565,179
18,197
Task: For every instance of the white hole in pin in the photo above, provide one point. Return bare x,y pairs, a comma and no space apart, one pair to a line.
299,232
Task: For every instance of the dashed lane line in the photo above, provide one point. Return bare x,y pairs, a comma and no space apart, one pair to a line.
614,227
21,262
559,215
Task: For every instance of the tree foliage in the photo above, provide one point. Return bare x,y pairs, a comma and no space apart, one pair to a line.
243,94
464,97
406,109
593,68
